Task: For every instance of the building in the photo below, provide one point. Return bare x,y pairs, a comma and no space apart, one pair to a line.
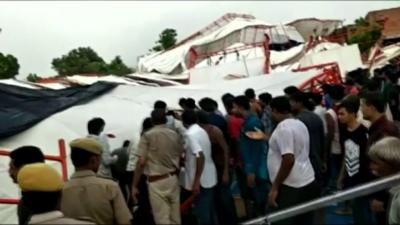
390,20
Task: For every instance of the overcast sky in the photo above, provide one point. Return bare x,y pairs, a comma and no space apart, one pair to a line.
37,32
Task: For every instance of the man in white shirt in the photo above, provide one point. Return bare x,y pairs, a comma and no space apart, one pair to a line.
200,176
289,165
95,128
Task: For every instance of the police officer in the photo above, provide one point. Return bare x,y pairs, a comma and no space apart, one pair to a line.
85,194
41,187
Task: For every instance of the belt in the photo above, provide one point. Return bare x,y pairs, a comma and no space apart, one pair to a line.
155,178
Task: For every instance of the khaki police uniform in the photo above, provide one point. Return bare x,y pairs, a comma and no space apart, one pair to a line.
162,148
87,196
55,217
42,178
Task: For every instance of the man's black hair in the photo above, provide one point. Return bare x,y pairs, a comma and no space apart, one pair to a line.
158,117
351,104
203,117
349,81
281,104
146,125
80,157
242,101
298,97
207,104
227,99
26,155
317,98
126,143
291,90
326,88
374,99
95,125
391,71
372,84
250,93
265,98
160,105
190,103
304,99
189,117
182,102
41,202
336,92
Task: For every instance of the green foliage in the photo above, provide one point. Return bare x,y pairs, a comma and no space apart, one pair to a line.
9,66
80,61
366,35
167,39
87,61
117,67
33,77
361,22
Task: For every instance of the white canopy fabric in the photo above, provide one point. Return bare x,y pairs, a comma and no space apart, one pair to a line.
315,27
124,109
238,30
18,83
347,57
88,80
384,55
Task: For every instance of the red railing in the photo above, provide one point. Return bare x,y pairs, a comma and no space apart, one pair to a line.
62,158
330,74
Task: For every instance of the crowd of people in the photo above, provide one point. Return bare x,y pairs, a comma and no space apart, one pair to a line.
281,151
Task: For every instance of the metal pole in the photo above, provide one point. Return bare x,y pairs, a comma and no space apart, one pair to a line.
359,191
245,66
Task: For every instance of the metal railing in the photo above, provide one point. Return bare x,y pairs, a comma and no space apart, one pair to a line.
358,191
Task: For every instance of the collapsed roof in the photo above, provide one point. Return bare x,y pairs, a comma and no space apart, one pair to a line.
313,27
227,35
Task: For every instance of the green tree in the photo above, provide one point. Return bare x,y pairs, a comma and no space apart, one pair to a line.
361,21
118,67
365,34
80,61
167,39
9,66
33,77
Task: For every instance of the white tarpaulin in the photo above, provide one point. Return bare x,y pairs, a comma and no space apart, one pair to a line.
384,55
123,109
88,80
167,61
242,68
237,31
347,57
18,83
315,27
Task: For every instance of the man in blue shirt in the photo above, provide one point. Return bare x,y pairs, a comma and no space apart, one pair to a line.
254,157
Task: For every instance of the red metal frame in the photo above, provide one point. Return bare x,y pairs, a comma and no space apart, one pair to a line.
62,158
330,74
267,54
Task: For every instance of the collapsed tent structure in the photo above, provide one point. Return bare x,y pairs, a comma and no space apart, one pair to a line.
381,56
233,39
237,46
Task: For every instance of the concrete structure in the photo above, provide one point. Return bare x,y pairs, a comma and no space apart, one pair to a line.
390,19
